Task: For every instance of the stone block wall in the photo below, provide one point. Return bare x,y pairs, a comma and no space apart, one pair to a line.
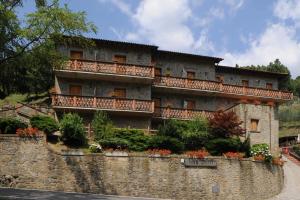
268,125
34,165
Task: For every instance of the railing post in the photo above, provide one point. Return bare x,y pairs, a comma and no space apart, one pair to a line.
153,107
95,66
75,64
244,90
186,113
74,101
115,66
186,83
168,112
133,104
115,104
221,87
95,102
153,72
134,71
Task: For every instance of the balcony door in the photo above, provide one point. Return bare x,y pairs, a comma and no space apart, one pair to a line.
78,55
120,93
75,90
190,75
189,104
157,71
269,86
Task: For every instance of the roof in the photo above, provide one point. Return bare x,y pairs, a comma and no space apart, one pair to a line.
188,55
241,70
152,47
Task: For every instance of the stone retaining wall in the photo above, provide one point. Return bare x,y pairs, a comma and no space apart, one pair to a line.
33,165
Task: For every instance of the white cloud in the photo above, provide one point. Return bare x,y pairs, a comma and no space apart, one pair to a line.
288,9
278,41
234,4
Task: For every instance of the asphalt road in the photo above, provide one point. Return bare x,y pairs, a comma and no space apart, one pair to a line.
9,193
291,187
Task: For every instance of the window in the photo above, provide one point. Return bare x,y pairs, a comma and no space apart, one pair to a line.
220,79
254,125
189,104
245,83
76,55
75,90
157,102
157,71
119,59
190,75
120,93
269,86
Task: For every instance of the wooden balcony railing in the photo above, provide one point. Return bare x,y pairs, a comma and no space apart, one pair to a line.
104,103
109,68
219,87
180,113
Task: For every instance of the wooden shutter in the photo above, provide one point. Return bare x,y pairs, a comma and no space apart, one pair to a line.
119,59
76,55
245,83
75,90
269,86
190,75
120,92
157,102
254,124
157,71
190,104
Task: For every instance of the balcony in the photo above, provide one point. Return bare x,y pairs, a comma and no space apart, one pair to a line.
102,103
194,86
180,113
106,71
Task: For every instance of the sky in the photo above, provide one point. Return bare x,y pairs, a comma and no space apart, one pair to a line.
243,32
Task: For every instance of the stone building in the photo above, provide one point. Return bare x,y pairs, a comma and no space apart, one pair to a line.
140,86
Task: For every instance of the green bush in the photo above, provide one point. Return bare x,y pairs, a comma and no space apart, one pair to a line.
196,134
114,143
261,149
102,126
137,140
218,146
44,123
10,125
172,128
72,128
166,142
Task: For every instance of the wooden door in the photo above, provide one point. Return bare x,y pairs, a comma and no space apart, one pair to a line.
269,86
157,71
76,55
75,90
157,102
190,104
245,83
120,93
119,59
190,75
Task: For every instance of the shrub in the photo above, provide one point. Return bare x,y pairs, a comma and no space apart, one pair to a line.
72,128
218,146
225,125
10,125
196,134
102,126
261,151
172,128
166,142
44,123
136,139
200,154
114,143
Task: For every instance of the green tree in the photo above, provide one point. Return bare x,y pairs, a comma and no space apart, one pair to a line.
285,83
28,51
102,126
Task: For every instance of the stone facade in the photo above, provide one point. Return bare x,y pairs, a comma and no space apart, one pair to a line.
32,164
268,124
